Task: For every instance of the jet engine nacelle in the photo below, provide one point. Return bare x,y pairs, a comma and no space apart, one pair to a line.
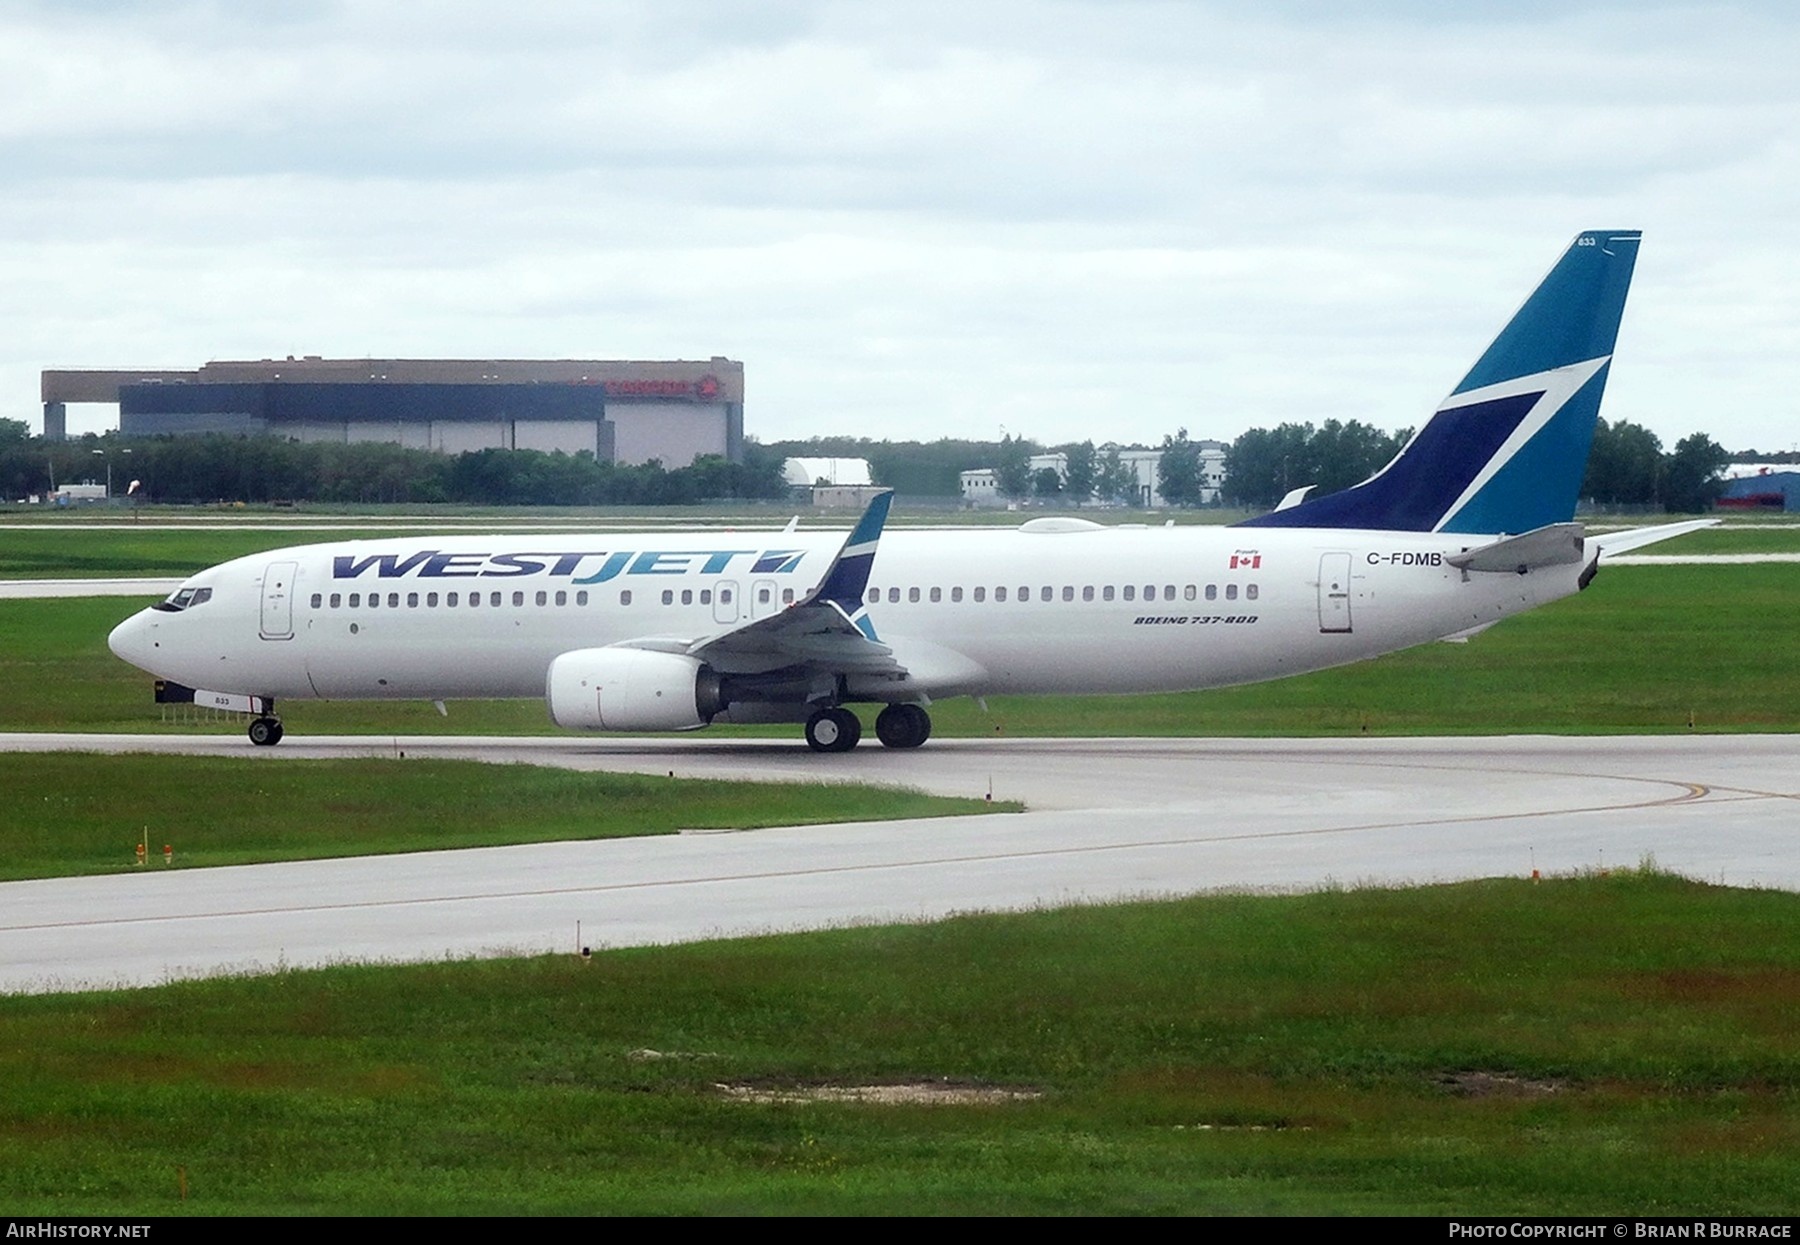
631,689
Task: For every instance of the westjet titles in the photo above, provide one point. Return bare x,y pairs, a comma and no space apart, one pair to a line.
435,564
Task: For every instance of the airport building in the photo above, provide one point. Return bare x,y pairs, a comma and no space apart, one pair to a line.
981,487
620,411
1771,488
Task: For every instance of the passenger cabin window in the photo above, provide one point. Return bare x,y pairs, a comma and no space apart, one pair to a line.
1131,592
1250,591
317,600
1231,592
955,595
999,594
912,596
981,595
1212,592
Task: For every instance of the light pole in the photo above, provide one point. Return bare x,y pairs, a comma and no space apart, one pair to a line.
107,454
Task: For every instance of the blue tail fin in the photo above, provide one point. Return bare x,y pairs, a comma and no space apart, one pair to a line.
1506,451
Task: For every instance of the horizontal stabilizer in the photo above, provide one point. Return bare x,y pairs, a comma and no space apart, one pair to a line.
1559,544
1638,537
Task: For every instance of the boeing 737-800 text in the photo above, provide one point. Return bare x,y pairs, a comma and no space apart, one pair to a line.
1472,522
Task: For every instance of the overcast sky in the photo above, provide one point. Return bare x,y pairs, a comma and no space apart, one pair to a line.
911,220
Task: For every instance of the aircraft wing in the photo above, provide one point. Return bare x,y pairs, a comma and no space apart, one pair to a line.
828,632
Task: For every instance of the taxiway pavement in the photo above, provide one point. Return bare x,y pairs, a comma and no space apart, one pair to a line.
1109,819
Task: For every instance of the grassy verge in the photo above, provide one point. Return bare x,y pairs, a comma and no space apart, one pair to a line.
1618,1046
1644,649
69,813
77,547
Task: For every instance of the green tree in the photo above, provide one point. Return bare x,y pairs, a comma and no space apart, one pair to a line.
1012,468
1178,470
1081,472
1344,455
1692,481
1625,465
1113,480
1263,464
1047,483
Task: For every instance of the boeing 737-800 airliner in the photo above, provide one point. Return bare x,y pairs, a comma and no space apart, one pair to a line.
1472,522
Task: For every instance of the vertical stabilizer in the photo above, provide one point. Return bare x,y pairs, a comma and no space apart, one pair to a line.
1506,451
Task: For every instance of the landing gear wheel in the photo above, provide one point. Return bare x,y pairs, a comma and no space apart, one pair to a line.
265,732
833,730
903,726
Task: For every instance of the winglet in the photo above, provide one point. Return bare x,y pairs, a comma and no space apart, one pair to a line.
848,578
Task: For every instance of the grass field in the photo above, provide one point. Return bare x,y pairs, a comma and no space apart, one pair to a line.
1644,649
1624,1045
69,813
1602,1045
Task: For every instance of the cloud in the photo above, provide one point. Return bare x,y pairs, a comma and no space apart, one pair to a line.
1080,219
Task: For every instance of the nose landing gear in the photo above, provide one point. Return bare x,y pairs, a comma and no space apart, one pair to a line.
265,732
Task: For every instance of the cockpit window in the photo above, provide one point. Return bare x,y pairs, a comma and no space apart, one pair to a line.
185,598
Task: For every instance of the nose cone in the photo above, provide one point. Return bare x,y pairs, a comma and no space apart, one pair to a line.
130,640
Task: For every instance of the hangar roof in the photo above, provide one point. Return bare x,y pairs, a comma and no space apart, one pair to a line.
712,380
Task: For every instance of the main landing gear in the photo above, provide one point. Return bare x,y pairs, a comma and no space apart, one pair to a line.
836,729
265,732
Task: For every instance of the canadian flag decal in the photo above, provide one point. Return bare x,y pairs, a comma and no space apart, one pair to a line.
1246,560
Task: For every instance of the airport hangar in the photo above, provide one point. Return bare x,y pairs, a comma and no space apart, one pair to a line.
619,411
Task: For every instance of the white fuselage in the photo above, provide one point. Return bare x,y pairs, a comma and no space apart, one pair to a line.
1118,609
